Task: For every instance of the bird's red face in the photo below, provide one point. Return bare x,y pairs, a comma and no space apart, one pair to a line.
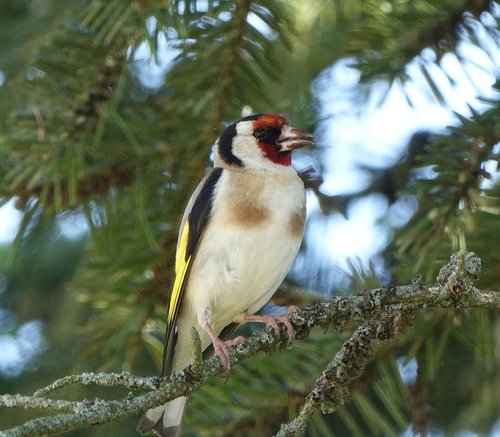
276,139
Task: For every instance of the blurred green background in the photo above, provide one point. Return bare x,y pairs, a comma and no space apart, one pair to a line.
108,113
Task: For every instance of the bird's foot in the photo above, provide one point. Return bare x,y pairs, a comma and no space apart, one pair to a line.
272,321
221,349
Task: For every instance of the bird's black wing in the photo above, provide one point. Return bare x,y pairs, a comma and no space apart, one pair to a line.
192,227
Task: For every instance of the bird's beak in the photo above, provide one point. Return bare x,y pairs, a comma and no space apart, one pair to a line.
291,139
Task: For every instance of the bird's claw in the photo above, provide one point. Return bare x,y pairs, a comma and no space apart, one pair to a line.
272,321
221,349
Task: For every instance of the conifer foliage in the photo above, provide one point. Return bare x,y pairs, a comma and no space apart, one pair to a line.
108,112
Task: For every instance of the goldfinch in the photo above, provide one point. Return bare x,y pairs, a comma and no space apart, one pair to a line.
238,238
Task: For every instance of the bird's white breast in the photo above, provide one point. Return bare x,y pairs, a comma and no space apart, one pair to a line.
248,247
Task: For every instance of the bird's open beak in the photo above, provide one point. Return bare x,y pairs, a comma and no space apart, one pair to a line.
291,139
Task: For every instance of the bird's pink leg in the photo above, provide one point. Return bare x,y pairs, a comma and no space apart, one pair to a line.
272,321
221,348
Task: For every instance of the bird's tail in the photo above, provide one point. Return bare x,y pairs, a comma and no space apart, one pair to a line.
165,420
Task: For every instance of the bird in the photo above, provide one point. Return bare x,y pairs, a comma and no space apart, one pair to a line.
239,235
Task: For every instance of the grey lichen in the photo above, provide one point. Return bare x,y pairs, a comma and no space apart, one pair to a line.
472,264
458,274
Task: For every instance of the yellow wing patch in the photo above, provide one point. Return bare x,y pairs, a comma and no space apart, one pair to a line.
181,268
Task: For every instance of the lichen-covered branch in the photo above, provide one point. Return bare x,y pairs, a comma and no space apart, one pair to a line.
380,313
30,402
124,379
330,389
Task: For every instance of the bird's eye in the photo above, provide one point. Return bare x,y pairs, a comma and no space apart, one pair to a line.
260,134
267,135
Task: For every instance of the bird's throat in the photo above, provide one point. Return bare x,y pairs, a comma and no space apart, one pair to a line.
274,155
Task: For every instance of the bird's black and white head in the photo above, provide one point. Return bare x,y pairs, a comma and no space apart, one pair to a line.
262,141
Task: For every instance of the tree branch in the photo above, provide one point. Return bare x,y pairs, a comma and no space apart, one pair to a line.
382,312
330,389
124,379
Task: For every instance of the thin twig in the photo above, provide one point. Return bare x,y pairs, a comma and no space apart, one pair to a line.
30,402
124,379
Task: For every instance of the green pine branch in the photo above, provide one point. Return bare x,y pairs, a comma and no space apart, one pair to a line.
390,35
450,198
